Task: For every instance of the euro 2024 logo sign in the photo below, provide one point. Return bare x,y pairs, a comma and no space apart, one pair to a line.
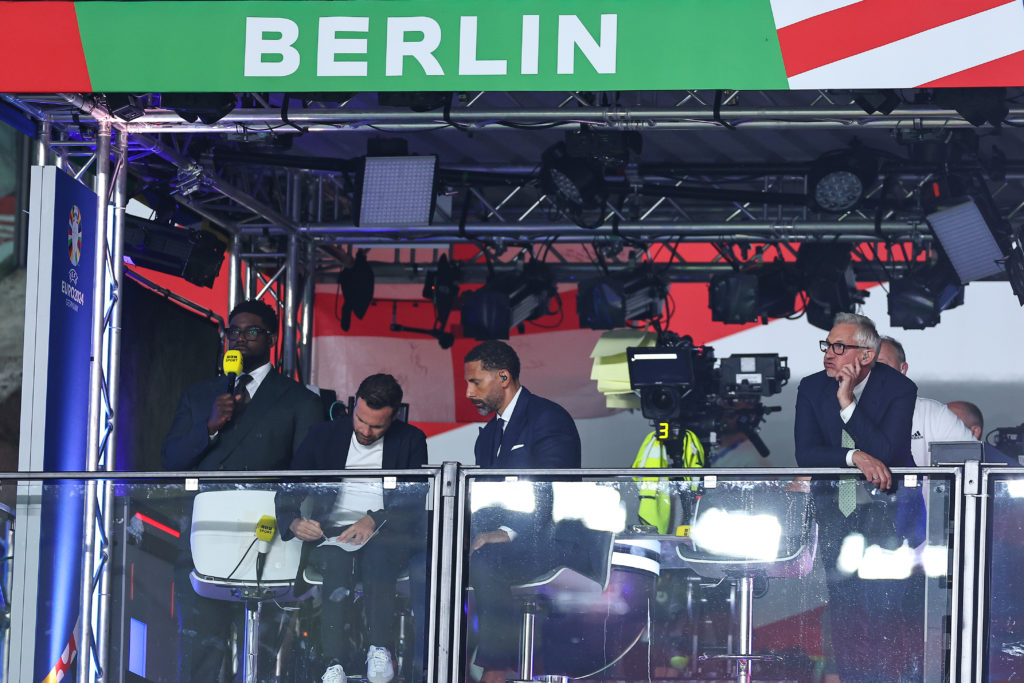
75,235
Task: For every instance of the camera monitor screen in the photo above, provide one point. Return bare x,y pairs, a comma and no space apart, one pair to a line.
655,366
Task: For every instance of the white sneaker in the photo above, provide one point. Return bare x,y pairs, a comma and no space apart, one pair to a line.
379,668
335,674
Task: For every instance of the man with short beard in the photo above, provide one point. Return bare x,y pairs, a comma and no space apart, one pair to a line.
527,432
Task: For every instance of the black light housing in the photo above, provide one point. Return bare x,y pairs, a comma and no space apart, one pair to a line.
356,283
506,301
194,255
607,302
441,287
838,180
576,185
125,106
208,107
828,279
768,291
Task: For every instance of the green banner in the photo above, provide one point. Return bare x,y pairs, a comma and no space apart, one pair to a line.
370,45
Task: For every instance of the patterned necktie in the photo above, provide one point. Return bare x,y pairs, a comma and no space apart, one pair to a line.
847,497
241,389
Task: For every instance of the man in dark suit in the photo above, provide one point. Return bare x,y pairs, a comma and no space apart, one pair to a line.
257,427
527,432
390,523
858,414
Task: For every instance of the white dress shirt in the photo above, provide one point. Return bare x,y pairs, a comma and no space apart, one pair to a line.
847,412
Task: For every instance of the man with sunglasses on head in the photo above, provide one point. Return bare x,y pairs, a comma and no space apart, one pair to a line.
257,427
857,414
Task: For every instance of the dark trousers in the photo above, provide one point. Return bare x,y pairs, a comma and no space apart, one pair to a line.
867,616
493,569
381,561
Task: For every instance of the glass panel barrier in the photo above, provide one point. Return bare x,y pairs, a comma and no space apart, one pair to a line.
203,583
1002,622
725,576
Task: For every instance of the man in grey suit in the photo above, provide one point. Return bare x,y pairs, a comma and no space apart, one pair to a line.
258,426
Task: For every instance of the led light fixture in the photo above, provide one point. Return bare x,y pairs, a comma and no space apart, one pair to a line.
397,191
194,255
838,180
968,241
607,302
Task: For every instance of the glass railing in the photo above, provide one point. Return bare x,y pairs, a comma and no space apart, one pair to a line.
770,574
598,574
207,580
1001,646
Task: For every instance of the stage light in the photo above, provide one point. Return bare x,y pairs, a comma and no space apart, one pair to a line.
827,277
881,101
967,239
188,180
1015,266
917,299
441,287
978,106
208,107
607,302
195,255
838,180
506,301
768,291
397,191
125,106
357,283
416,101
575,185
733,298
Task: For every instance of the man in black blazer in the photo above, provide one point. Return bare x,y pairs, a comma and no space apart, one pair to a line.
391,522
857,413
526,432
257,427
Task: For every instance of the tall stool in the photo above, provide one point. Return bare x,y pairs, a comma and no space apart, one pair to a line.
742,532
224,554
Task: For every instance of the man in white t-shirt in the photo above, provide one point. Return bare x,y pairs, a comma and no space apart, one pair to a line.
933,421
387,524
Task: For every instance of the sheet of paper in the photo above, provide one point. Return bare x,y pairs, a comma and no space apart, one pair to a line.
349,547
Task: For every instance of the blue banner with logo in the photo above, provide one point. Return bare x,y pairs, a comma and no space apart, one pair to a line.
67,422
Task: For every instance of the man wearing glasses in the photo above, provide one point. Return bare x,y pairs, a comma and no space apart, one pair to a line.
857,414
257,427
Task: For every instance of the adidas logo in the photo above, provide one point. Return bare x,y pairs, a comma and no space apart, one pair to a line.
917,435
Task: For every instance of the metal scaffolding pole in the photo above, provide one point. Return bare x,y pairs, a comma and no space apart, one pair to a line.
97,411
42,150
308,297
115,293
235,272
288,324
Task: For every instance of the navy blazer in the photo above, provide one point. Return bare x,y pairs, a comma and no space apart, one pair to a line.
326,448
880,426
264,437
540,435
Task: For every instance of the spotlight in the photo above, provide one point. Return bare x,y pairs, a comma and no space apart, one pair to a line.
838,180
916,300
881,101
208,107
733,298
125,106
576,185
827,276
442,288
397,191
978,106
188,180
194,255
1015,267
768,291
356,284
507,301
607,302
416,101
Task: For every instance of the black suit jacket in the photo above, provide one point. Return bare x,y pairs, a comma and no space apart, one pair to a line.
326,448
539,435
881,427
264,437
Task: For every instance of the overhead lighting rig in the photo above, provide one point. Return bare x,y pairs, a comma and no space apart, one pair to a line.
766,291
609,301
838,181
828,279
917,299
507,300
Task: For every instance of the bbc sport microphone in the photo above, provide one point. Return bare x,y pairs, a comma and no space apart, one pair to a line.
265,529
232,368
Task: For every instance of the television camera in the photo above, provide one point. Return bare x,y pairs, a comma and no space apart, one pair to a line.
681,389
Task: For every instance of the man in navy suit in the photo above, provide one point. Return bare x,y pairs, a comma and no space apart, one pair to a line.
391,522
256,427
858,414
527,432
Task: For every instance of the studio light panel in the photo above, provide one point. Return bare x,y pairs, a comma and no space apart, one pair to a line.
397,191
